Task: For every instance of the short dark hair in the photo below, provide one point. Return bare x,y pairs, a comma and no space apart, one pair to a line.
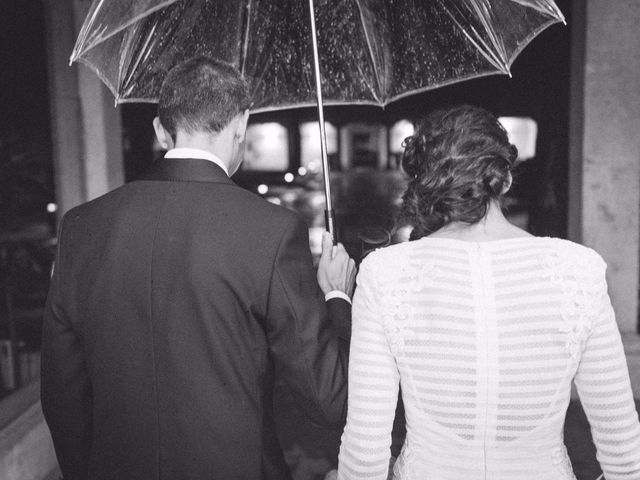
459,160
201,94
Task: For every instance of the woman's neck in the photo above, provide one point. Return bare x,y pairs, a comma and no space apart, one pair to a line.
493,226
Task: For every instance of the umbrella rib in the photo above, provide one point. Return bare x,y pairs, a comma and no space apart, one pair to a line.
470,76
551,9
76,54
142,52
84,32
105,80
483,16
482,47
534,33
371,55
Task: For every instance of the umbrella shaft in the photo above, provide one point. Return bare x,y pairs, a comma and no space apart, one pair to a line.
323,136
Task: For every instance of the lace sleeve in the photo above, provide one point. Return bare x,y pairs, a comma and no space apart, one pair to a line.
603,384
373,387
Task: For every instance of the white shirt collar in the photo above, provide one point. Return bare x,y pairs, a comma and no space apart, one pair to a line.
196,153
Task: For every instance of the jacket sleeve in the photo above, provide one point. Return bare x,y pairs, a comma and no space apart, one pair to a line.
305,345
340,316
65,386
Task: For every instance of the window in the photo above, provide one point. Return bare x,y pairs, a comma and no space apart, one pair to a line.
365,145
523,133
266,148
310,153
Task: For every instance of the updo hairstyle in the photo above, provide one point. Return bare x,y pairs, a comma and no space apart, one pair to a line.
459,160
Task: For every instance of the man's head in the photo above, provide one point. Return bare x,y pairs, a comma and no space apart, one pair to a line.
203,98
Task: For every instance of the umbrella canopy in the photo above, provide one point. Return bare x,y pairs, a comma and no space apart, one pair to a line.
294,54
370,51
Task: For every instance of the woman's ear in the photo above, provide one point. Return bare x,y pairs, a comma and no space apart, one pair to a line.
507,183
164,138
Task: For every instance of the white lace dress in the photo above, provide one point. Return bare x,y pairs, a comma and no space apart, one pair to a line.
484,340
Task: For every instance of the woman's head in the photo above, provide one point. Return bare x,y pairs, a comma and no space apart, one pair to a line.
459,161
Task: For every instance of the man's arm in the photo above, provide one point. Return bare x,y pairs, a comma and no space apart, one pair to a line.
65,385
305,348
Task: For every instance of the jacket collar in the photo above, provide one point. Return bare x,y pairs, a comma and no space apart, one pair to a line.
186,170
189,152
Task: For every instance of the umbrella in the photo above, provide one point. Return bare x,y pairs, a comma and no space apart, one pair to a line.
371,52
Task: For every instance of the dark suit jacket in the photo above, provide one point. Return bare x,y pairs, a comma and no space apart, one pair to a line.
174,302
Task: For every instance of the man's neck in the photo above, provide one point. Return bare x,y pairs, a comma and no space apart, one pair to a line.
216,144
199,146
190,152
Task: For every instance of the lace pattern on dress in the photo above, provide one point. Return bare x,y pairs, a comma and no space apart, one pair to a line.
397,279
395,312
404,468
567,270
560,459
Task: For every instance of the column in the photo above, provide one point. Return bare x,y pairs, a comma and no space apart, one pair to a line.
383,148
345,146
85,125
604,172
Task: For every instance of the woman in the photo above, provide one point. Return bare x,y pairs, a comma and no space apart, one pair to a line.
484,327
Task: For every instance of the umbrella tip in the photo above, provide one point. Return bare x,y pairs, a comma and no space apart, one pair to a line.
560,16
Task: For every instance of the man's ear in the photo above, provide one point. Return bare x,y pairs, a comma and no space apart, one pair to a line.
241,128
164,138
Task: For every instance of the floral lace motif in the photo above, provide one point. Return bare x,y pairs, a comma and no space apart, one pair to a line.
404,468
394,289
580,296
396,281
428,274
560,459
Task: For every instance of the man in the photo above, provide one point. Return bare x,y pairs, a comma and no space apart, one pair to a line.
177,299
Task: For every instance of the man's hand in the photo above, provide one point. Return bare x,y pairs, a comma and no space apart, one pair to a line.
336,270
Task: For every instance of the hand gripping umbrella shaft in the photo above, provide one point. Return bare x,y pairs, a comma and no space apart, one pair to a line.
328,213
